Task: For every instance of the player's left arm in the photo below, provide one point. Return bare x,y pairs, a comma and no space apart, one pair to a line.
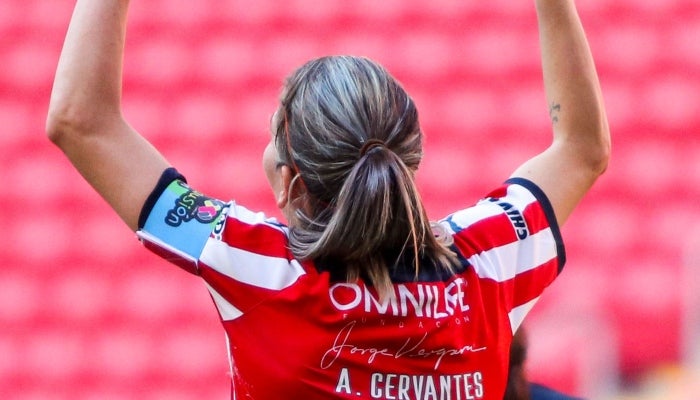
580,148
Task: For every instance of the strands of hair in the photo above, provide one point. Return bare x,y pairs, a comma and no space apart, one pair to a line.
351,134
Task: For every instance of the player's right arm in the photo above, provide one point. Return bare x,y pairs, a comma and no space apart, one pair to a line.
85,118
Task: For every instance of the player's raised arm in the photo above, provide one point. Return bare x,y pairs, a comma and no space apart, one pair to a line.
581,144
85,119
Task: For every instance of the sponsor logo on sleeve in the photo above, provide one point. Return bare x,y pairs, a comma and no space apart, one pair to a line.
192,205
515,216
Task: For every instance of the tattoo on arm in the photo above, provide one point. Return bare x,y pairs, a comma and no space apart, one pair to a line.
554,110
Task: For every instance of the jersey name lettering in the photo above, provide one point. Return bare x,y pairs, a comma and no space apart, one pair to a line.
467,386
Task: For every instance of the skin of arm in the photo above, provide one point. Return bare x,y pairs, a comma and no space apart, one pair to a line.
84,118
580,148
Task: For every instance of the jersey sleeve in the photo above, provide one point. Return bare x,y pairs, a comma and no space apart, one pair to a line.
242,256
512,241
176,221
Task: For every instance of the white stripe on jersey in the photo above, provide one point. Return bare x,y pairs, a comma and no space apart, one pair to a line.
253,218
500,263
520,197
227,311
145,236
254,269
517,314
517,195
469,216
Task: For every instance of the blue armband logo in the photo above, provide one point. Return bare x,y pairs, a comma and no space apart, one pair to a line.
184,218
193,205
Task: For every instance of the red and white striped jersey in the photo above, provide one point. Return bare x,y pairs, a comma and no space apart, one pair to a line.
294,332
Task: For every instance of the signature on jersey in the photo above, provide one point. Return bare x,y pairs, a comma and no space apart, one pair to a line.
412,348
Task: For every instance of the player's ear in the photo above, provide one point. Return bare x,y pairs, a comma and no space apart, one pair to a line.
286,175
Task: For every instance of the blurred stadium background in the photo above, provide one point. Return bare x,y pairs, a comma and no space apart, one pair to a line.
86,313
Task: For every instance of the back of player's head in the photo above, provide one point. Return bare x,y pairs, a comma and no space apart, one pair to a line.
351,133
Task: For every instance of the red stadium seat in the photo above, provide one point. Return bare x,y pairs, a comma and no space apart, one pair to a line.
672,101
127,354
28,66
226,60
683,49
21,294
81,298
17,119
159,61
572,354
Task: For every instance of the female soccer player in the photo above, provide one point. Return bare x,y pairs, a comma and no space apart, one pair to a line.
359,295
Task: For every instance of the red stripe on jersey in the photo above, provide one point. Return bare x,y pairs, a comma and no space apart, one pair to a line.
241,295
485,234
535,218
499,192
257,238
497,230
530,284
188,265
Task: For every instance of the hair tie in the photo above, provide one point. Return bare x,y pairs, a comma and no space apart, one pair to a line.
371,144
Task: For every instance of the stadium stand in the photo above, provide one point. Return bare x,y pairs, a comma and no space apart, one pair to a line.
84,310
